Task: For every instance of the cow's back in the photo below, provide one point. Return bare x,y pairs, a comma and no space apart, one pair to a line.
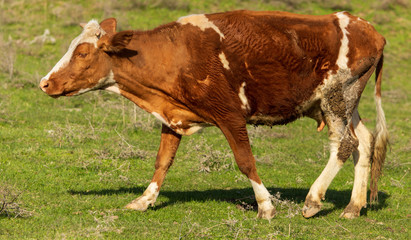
274,61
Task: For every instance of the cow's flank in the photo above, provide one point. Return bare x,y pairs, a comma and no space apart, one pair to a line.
233,68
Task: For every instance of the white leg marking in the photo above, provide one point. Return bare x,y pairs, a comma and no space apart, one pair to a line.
243,97
361,161
261,193
149,197
342,60
152,191
201,21
224,61
319,187
263,197
89,35
317,191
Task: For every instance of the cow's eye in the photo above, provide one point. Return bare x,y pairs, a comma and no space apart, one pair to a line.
82,55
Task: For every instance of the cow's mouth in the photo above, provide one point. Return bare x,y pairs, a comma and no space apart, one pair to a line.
65,94
55,96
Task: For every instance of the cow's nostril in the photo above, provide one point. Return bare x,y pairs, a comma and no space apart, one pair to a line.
44,84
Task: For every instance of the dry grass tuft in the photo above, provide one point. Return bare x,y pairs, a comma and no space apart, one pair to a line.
9,205
168,4
290,207
71,134
8,56
71,14
296,5
105,223
388,5
342,5
283,206
211,159
122,151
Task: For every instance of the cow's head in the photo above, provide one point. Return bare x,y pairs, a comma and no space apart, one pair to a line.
87,66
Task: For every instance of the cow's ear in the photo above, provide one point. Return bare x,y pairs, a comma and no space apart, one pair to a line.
109,25
115,43
104,43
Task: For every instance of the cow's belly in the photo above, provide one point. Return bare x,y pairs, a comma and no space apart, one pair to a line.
268,120
310,108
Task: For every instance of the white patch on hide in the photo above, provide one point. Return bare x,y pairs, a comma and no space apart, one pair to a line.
161,118
101,84
243,97
224,61
113,88
342,60
201,21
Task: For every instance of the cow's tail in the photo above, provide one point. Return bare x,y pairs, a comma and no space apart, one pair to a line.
380,136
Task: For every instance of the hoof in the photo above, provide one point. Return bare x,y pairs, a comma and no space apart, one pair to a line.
351,212
267,214
311,208
310,211
139,204
349,215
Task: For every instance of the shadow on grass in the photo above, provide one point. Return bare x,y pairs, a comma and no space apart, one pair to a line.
244,196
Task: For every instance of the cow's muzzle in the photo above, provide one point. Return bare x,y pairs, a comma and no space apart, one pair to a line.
47,86
44,84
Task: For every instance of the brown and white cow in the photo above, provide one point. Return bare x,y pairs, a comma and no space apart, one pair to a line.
233,68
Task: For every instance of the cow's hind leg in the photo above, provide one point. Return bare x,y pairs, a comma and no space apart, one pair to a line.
165,157
341,96
238,139
342,144
362,162
338,105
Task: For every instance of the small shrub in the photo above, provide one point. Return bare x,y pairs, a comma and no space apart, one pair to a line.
9,205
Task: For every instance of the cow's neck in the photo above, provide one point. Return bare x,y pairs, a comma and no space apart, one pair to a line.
149,75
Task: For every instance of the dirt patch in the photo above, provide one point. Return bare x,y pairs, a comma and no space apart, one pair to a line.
347,146
335,101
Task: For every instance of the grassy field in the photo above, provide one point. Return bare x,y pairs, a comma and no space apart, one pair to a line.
69,166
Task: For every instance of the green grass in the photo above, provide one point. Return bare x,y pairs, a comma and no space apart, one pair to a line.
74,163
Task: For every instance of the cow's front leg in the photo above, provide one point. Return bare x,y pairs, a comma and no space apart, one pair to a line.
238,139
165,157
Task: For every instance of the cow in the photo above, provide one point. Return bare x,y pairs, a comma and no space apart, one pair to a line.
236,68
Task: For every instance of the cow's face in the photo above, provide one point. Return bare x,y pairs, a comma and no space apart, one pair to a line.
87,65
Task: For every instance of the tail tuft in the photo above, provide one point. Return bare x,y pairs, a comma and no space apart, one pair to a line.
380,136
